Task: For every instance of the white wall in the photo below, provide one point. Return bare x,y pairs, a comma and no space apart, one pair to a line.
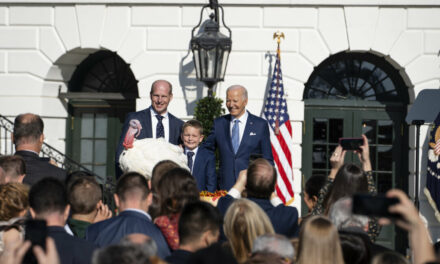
41,45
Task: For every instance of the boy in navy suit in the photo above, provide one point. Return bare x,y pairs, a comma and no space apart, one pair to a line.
201,162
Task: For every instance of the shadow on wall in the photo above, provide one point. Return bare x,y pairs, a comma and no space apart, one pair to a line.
270,56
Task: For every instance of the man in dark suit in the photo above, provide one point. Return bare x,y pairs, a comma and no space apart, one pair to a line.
201,161
153,122
48,201
28,138
259,181
133,198
237,136
199,227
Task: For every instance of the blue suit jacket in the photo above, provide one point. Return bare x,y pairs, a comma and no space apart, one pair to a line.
284,218
204,170
256,140
144,118
112,230
71,249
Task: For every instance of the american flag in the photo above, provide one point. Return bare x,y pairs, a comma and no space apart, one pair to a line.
275,112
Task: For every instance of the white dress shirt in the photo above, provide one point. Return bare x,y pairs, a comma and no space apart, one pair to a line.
241,125
165,122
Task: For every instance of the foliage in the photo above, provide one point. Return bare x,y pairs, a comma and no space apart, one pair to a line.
207,109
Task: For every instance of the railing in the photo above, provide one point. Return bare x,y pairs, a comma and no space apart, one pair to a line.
7,148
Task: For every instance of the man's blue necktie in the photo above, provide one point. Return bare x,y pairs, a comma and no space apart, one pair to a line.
190,155
160,131
235,137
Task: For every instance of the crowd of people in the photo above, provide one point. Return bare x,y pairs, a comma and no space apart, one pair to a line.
163,220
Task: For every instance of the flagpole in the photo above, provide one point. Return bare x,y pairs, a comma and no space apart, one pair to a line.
278,35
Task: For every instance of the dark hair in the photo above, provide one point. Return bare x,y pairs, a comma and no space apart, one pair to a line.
120,254
261,179
349,179
84,194
13,200
354,249
27,128
47,196
13,165
314,184
176,188
159,170
193,123
196,218
132,184
390,257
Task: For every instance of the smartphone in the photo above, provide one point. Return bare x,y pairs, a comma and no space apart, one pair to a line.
254,156
376,206
36,232
351,143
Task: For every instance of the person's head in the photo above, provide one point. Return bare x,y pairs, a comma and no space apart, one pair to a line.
389,257
236,100
159,170
176,188
199,225
13,168
161,94
28,132
311,190
120,254
132,192
274,243
192,134
13,200
48,198
349,179
341,216
75,175
84,195
146,243
354,249
319,242
244,221
261,179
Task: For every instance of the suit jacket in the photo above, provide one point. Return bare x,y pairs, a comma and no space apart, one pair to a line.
111,231
38,168
284,219
144,118
71,250
178,256
256,140
204,170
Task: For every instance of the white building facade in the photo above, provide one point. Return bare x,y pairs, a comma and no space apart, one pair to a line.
42,44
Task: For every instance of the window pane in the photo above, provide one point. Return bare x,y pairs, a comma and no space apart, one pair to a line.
385,135
319,157
320,130
384,182
100,170
87,125
385,158
100,151
101,126
336,130
86,151
369,130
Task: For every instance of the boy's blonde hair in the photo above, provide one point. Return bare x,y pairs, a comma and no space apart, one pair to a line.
193,123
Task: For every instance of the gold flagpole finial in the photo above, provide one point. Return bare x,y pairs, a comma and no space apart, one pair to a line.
278,35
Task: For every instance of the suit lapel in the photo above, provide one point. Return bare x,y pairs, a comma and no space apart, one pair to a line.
247,130
228,132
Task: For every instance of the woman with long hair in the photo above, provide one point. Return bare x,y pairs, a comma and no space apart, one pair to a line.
346,179
174,190
244,222
319,242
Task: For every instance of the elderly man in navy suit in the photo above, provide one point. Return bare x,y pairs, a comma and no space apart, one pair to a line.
153,122
133,198
237,136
